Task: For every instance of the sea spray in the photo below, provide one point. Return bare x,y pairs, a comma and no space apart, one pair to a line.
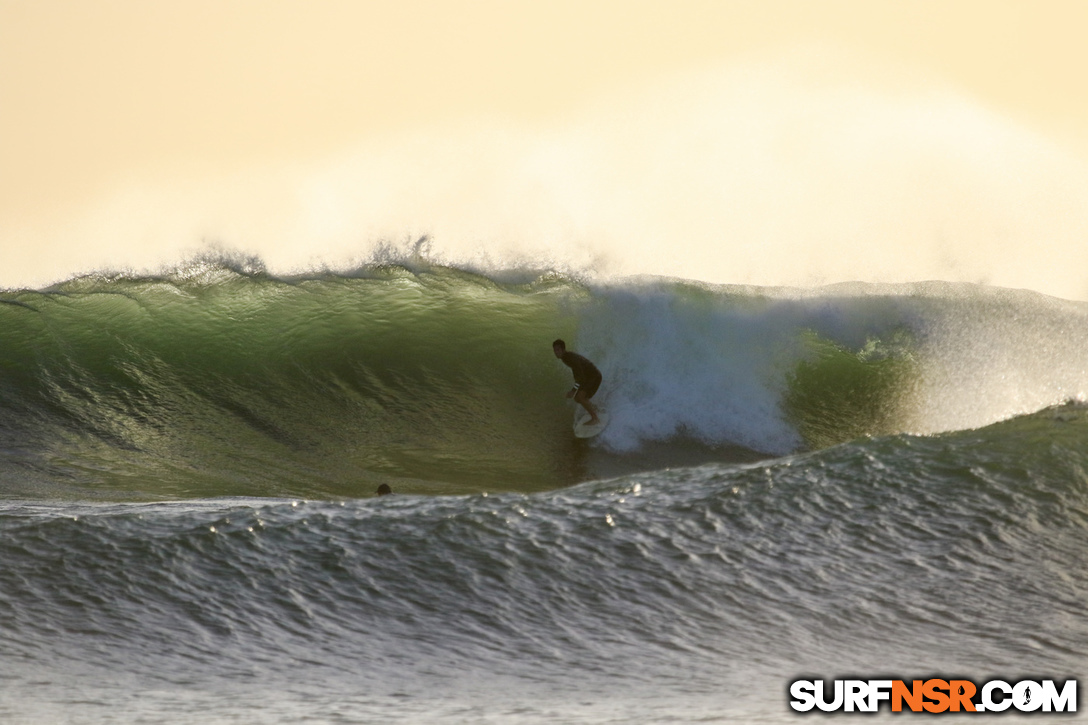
813,171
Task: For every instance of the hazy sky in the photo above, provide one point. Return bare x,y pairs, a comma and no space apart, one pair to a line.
90,91
107,95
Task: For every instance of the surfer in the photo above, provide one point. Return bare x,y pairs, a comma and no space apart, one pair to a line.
587,378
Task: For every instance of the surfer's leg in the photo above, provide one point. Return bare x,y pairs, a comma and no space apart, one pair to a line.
580,397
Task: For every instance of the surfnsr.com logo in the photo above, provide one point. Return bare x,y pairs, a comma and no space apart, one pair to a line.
933,696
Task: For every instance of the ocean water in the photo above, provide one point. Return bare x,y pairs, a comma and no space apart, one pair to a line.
857,480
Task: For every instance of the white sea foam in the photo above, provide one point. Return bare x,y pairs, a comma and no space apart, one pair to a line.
715,364
699,367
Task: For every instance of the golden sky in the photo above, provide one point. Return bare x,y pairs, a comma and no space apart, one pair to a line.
91,92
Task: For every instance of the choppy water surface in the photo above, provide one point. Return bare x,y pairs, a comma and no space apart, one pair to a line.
852,480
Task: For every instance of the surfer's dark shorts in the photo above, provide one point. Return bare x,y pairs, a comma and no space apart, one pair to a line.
590,387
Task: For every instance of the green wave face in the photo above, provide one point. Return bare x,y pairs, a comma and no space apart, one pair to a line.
225,384
837,394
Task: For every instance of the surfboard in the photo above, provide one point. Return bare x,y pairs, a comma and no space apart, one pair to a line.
582,428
